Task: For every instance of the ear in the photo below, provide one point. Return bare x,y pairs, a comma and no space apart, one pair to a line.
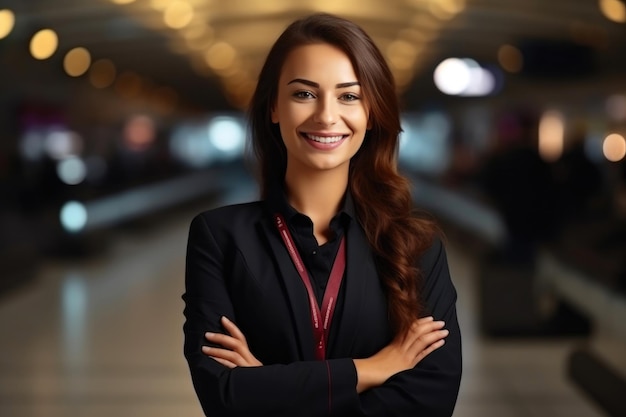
370,124
274,114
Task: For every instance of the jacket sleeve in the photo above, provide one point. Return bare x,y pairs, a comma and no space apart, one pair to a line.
431,388
307,388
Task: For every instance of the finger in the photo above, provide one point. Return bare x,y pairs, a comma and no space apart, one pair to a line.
419,329
430,349
224,362
223,340
226,354
426,340
232,329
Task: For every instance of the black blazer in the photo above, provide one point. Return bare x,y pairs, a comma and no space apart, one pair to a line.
237,266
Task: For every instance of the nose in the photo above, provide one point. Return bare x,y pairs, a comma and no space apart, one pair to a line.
326,111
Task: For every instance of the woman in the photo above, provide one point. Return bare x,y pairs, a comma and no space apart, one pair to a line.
308,303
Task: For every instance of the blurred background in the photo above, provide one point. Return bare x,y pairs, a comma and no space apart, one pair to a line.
122,119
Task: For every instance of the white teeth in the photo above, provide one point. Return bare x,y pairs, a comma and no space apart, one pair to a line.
324,139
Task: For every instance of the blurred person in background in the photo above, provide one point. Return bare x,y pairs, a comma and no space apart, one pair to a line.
518,183
273,324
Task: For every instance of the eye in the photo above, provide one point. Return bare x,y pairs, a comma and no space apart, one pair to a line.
303,94
349,97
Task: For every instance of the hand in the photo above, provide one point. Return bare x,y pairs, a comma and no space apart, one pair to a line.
236,352
404,352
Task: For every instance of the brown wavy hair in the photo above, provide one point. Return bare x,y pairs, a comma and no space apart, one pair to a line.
381,195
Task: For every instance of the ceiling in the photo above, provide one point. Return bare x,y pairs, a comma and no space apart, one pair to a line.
212,61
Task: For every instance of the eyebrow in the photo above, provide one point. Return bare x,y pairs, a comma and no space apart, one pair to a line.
316,85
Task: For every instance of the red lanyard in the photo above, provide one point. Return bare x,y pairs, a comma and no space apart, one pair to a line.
321,330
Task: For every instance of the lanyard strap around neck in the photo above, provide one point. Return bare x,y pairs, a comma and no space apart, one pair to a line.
321,324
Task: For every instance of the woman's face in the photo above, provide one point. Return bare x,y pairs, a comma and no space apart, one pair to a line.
320,109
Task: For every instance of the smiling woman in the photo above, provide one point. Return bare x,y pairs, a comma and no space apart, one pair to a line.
319,110
329,297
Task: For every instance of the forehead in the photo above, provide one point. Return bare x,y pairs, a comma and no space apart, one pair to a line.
319,63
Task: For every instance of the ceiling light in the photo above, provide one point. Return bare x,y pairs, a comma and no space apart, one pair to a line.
7,22
510,58
44,44
77,62
551,135
614,147
102,73
178,14
220,56
613,10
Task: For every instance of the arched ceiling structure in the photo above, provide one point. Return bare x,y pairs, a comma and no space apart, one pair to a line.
209,51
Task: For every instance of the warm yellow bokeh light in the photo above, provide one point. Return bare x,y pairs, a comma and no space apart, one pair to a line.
614,147
178,14
77,62
44,44
551,135
122,1
220,56
7,22
160,4
510,58
102,73
446,9
613,10
198,37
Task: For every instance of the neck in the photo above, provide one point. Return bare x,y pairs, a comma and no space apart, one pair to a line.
318,195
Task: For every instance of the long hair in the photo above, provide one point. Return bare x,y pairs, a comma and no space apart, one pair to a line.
381,195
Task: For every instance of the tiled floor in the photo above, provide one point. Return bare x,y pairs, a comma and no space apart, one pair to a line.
102,337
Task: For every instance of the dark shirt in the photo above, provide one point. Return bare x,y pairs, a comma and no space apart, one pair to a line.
318,259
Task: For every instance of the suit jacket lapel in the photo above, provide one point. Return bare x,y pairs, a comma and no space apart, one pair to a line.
295,291
360,269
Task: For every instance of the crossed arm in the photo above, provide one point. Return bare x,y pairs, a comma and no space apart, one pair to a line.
403,353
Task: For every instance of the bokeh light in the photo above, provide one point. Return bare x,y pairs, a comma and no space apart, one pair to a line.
178,14
551,135
77,62
465,77
510,58
613,10
7,22
220,56
44,44
614,147
102,73
227,134
61,143
73,216
139,132
72,170
452,76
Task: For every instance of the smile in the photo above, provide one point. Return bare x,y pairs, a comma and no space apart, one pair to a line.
324,139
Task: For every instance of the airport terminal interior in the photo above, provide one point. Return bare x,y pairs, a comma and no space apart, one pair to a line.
123,119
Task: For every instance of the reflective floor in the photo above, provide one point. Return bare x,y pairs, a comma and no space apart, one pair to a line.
102,337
